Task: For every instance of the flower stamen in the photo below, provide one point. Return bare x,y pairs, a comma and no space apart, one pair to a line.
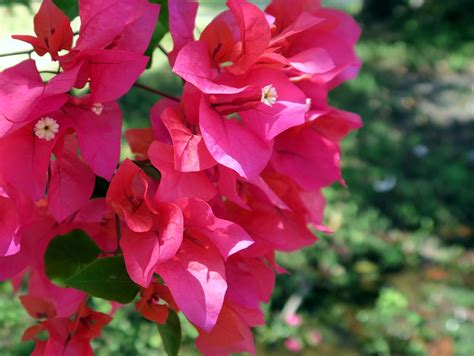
97,108
46,128
269,95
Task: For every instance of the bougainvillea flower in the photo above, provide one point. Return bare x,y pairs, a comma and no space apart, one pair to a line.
155,303
110,73
308,157
71,183
314,145
36,126
139,141
288,12
271,228
233,144
65,300
231,43
231,334
160,132
98,133
24,97
197,270
53,31
175,184
68,337
125,25
237,37
126,195
193,64
16,210
38,308
314,41
274,106
309,204
182,17
336,124
35,236
34,143
24,146
250,281
57,342
96,218
238,127
88,323
190,151
228,185
145,251
199,221
10,235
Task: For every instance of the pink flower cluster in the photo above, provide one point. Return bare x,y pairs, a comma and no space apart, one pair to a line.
238,161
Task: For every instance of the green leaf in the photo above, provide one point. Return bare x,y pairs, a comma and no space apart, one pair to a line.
66,255
170,333
161,29
106,278
69,7
100,188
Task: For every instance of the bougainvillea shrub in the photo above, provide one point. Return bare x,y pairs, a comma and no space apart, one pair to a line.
227,175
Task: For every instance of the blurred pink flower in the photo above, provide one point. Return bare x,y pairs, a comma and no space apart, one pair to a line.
315,337
293,344
293,319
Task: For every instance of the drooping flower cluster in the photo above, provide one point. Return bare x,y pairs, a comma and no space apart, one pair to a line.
227,175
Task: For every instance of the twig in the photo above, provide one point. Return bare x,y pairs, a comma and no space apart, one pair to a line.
118,231
48,71
156,91
29,52
160,47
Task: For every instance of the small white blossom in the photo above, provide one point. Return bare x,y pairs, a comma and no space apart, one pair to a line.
97,108
46,128
269,95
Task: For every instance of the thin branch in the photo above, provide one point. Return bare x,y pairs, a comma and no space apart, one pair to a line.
48,71
160,47
118,231
156,91
29,52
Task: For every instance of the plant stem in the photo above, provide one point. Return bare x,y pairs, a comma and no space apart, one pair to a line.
156,91
16,53
160,47
48,72
118,232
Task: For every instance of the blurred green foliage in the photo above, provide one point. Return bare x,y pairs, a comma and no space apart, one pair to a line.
396,276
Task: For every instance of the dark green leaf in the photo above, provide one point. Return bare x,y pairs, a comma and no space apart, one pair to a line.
68,254
161,29
152,172
100,188
106,278
170,333
69,7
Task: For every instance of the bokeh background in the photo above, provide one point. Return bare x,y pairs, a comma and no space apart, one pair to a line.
397,276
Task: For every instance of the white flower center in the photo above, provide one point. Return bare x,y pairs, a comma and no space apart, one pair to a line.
97,108
269,95
46,128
